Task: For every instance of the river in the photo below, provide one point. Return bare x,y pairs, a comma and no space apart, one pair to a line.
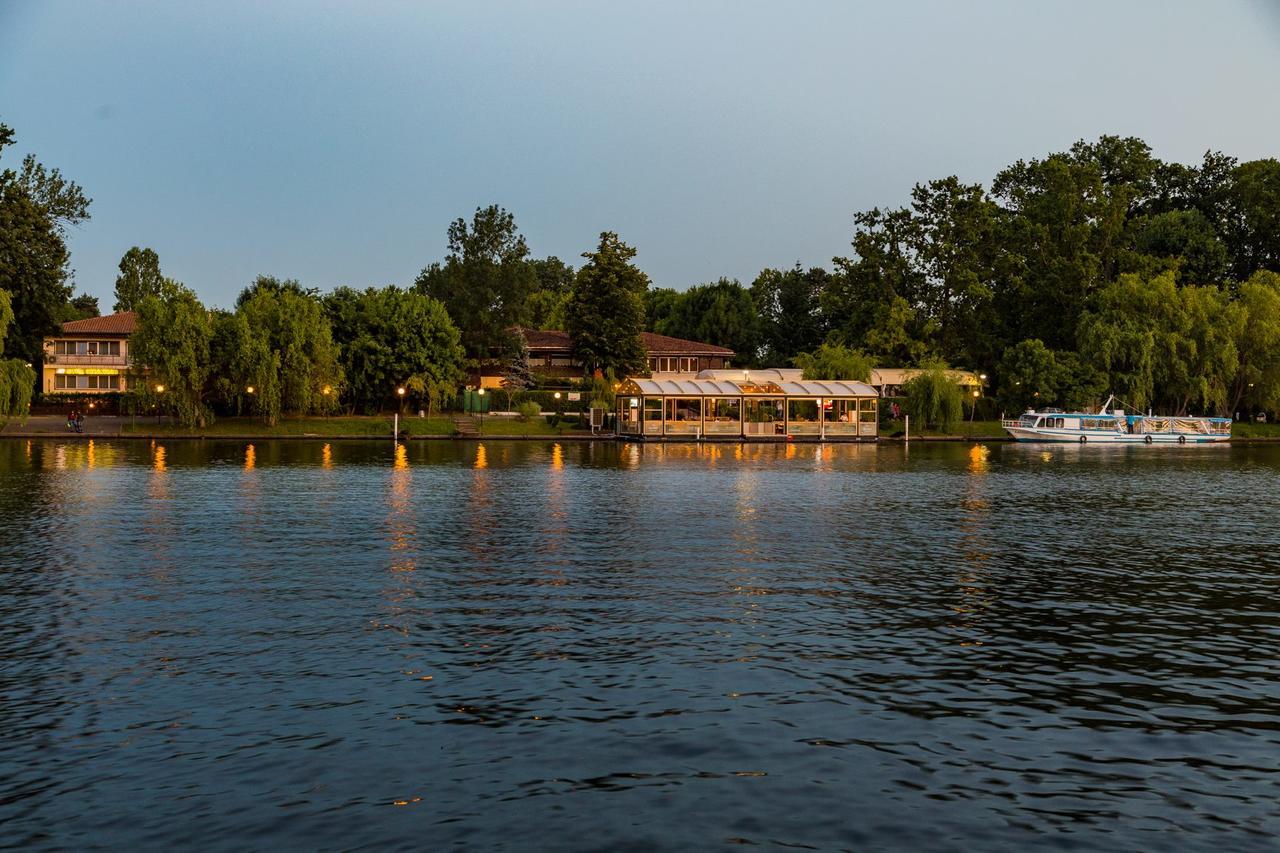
578,646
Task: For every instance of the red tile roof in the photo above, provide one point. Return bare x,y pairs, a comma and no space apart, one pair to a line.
123,323
654,344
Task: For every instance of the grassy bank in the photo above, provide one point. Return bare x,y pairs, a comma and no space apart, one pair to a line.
374,426
976,429
1255,430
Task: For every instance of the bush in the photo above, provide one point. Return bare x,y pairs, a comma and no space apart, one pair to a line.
528,410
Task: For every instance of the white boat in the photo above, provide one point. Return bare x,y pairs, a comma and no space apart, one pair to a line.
1109,425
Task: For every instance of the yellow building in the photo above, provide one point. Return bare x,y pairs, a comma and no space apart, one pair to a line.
89,356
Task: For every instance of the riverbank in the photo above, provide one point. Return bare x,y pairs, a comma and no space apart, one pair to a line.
362,427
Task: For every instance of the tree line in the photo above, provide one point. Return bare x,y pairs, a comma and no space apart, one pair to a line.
1094,270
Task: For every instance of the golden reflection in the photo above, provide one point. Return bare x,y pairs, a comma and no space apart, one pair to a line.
482,459
326,456
557,456
401,529
250,457
158,454
89,455
791,450
978,456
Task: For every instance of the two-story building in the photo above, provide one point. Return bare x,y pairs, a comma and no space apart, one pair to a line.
89,356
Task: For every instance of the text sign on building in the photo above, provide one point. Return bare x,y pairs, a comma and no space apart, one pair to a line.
89,371
575,396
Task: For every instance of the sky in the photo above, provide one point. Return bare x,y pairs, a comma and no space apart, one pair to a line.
335,142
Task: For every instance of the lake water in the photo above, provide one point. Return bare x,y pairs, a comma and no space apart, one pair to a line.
601,647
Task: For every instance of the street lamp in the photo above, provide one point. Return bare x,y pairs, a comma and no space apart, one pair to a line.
249,390
159,390
480,409
974,410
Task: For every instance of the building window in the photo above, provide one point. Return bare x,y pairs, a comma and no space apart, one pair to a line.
62,382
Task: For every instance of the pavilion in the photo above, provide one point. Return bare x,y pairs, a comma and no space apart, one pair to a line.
750,405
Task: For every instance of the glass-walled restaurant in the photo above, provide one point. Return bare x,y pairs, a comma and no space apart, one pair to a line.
751,407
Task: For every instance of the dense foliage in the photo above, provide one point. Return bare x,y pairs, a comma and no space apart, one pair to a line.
606,309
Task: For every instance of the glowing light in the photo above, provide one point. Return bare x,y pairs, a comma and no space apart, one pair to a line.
326,456
250,457
158,459
557,395
557,456
326,390
159,389
482,458
402,457
249,390
400,390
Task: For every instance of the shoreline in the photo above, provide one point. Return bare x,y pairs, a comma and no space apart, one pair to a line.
929,439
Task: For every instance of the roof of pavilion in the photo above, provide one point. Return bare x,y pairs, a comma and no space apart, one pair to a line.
668,386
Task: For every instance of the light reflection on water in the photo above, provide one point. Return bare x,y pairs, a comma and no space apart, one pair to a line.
390,645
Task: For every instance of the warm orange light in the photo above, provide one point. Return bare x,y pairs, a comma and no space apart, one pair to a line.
557,395
159,389
481,392
326,390
249,390
975,393
400,390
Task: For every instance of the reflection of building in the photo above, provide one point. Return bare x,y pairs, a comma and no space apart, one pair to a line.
746,404
551,354
89,356
889,380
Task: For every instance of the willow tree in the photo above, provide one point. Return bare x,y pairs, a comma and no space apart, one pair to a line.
172,344
289,348
1258,343
834,361
934,396
17,378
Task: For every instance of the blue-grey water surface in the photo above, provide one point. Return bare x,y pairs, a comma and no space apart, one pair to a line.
599,647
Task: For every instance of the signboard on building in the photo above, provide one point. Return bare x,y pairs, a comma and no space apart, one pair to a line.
575,396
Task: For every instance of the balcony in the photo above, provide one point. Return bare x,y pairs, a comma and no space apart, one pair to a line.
119,361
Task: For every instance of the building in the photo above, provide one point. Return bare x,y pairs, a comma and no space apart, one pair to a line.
89,356
888,381
551,355
750,405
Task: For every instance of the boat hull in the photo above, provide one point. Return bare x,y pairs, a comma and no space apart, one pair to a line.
1074,436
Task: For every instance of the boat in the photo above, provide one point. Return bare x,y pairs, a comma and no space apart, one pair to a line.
1110,425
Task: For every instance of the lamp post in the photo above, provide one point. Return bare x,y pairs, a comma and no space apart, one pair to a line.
159,390
480,410
395,423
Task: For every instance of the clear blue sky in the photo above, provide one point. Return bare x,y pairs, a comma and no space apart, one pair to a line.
334,142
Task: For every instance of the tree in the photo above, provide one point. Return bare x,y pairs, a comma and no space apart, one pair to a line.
388,337
519,375
139,278
721,313
934,397
17,377
289,323
789,304
84,306
486,281
1253,228
36,207
834,361
172,341
1257,380
659,304
606,311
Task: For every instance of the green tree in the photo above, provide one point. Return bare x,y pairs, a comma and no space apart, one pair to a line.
388,337
834,361
1257,379
486,281
172,342
83,307
1253,229
17,378
659,304
293,328
139,278
37,205
722,313
934,397
606,311
789,304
